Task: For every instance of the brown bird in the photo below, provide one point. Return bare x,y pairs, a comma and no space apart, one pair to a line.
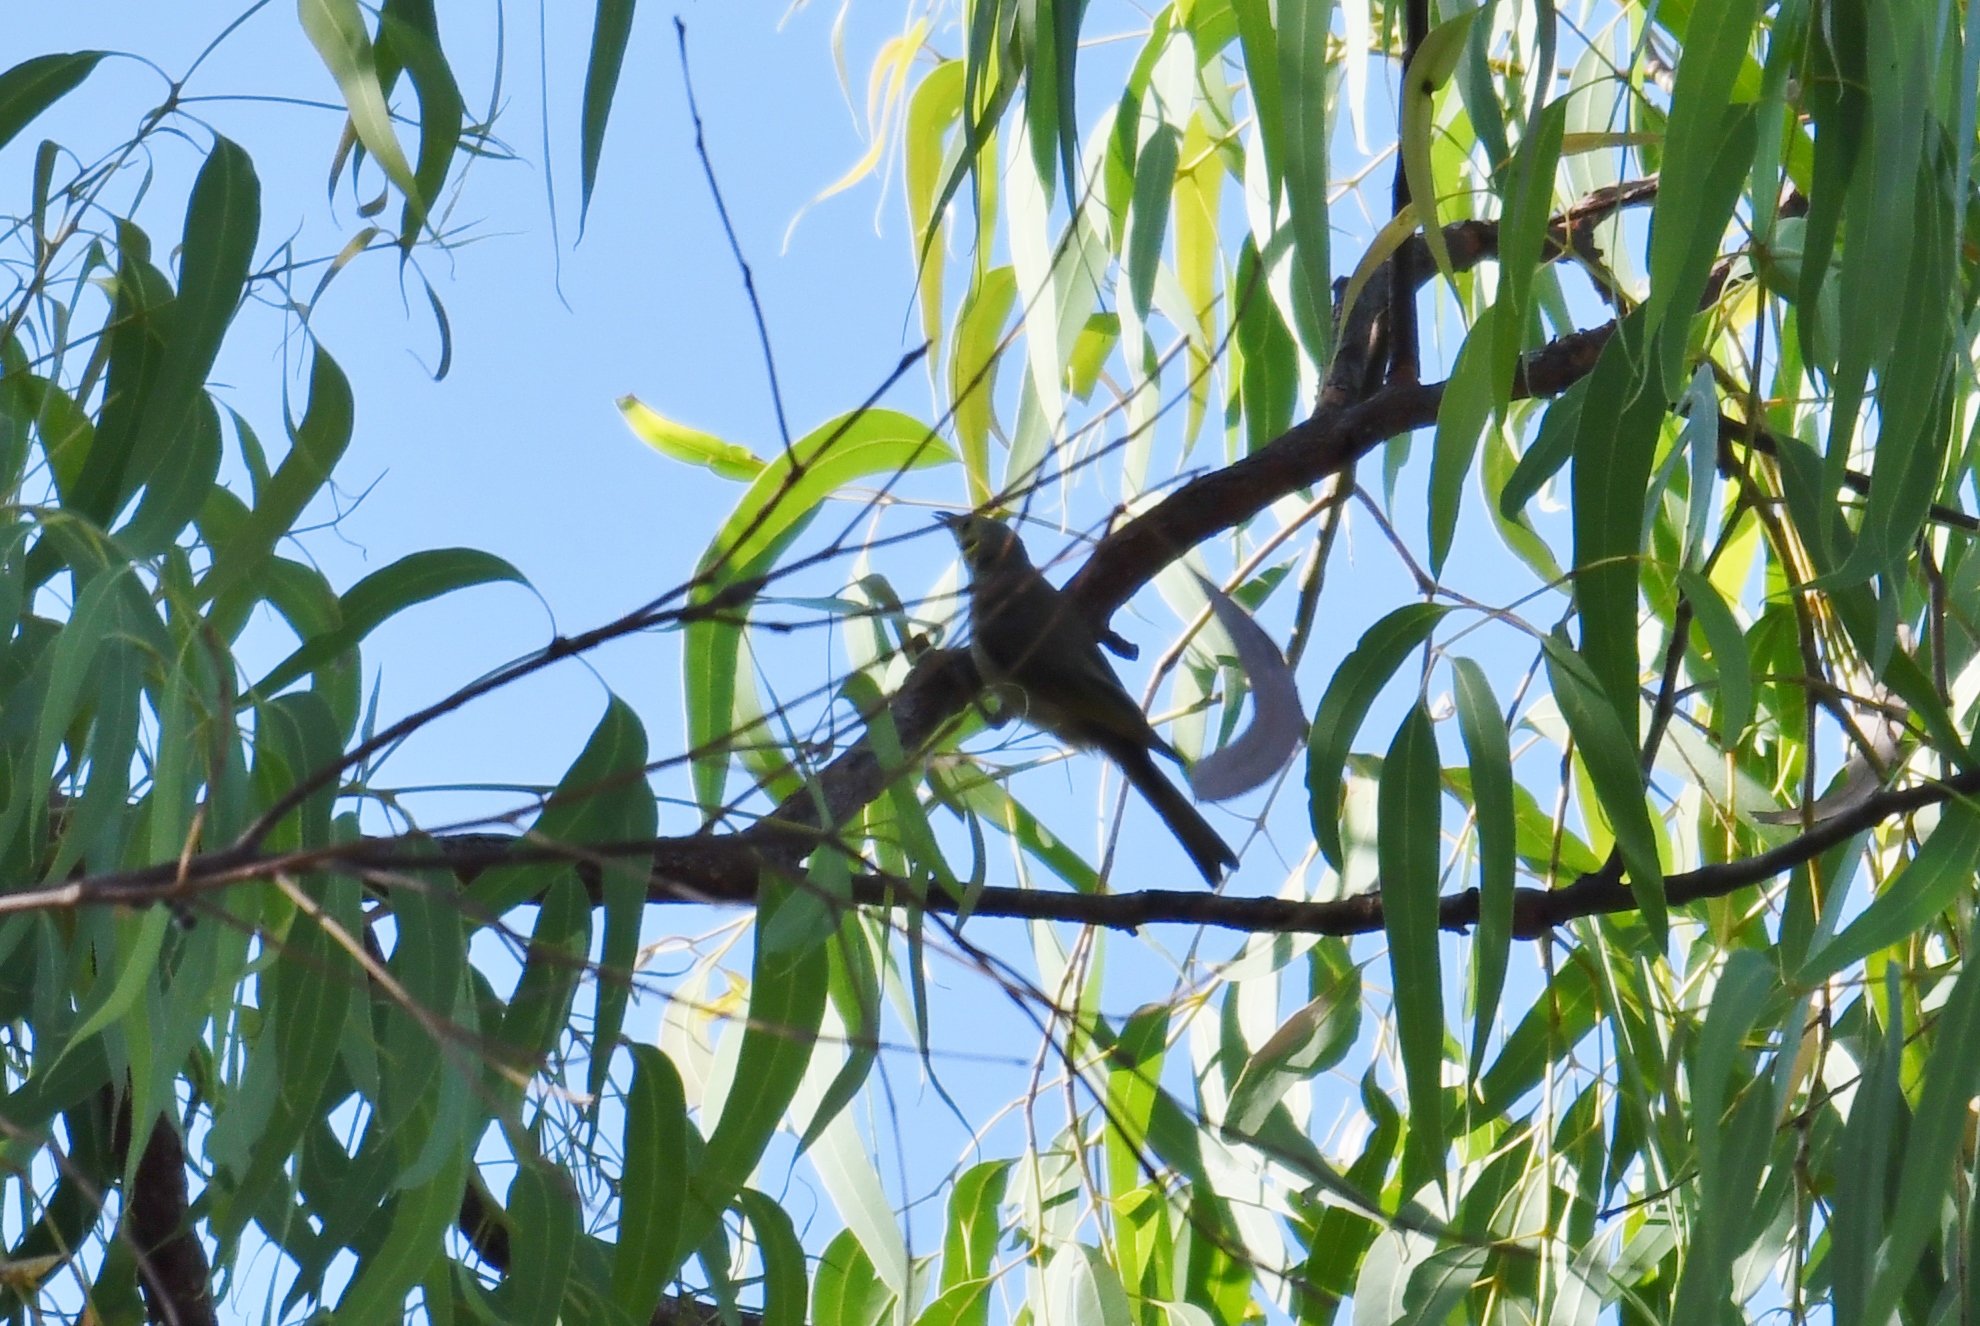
1044,661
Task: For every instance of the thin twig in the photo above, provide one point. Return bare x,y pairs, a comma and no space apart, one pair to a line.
735,245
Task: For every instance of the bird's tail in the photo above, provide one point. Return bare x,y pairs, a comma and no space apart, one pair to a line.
1208,850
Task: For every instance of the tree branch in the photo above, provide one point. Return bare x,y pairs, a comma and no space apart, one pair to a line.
725,871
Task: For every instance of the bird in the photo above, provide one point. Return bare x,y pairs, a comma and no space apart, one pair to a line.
1042,658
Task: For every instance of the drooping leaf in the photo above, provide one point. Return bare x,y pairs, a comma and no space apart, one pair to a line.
786,1292
416,578
1733,706
1461,414
1483,727
654,1189
786,1005
1304,127
1410,842
610,30
336,29
35,84
1614,440
543,1233
1434,63
1610,756
1337,721
774,509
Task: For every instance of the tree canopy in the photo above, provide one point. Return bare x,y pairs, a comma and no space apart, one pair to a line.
1582,400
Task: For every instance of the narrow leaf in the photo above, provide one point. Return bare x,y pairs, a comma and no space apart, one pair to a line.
609,33
1410,839
654,1189
1609,753
33,85
1483,727
1337,721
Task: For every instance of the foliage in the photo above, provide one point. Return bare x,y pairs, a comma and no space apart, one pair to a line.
1690,521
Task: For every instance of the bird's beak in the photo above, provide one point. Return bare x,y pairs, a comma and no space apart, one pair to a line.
948,519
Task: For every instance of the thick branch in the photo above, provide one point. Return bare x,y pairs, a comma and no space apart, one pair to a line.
1299,458
725,871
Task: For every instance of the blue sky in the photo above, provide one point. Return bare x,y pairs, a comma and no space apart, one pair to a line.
520,450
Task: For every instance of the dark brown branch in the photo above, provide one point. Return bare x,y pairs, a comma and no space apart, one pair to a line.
177,1284
1325,444
172,1272
726,870
1404,352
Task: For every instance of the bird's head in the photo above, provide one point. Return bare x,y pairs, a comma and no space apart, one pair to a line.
985,543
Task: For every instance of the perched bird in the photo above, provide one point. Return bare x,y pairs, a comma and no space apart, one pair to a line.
1043,660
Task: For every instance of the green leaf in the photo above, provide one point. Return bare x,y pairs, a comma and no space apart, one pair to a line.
1914,403
1461,414
96,615
1552,446
1436,60
1738,996
689,445
1439,1283
969,1247
316,445
1269,383
609,33
1609,754
543,1232
1708,154
773,510
441,114
177,487
310,993
1529,205
1482,725
1934,1147
1255,22
1837,94
654,1189
378,597
1866,1159
1303,72
223,220
1733,707
979,346
1148,215
541,1008
1311,1041
1700,441
1337,721
429,961
1940,872
623,880
141,938
785,1283
854,985
336,29
1614,443
595,802
933,111
1563,1013
33,85
1409,842
420,1219
846,1291
786,1006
